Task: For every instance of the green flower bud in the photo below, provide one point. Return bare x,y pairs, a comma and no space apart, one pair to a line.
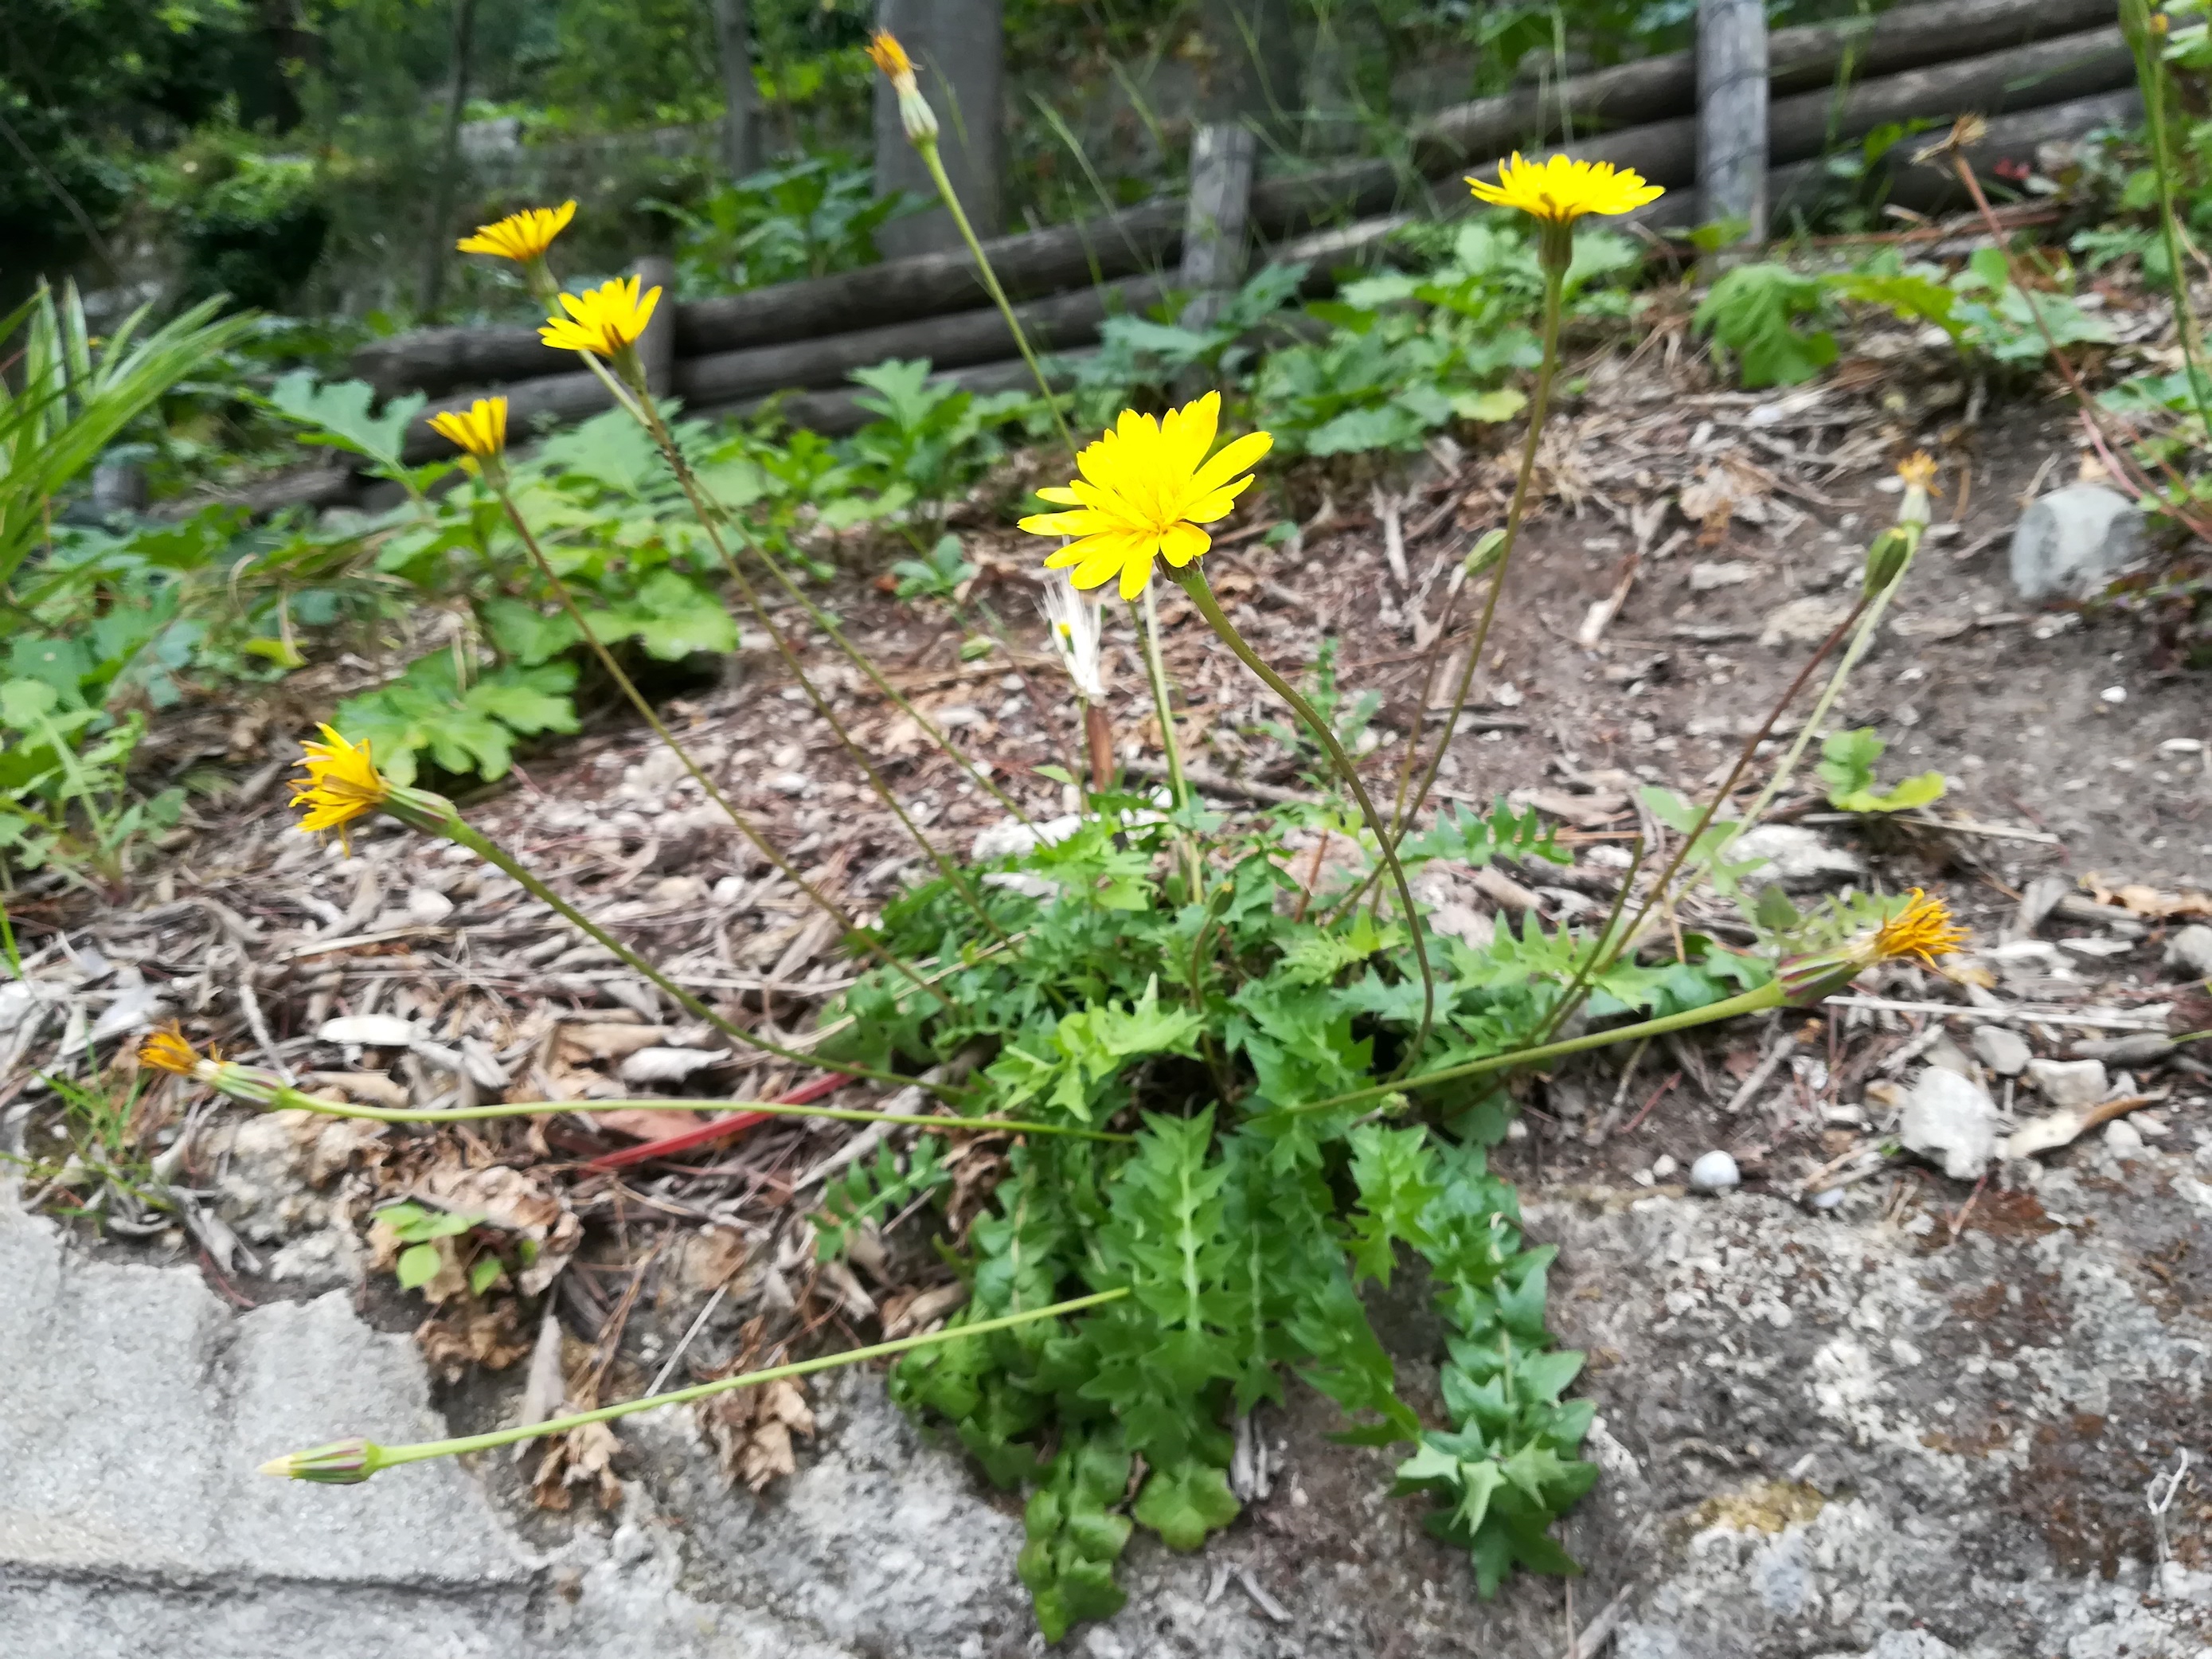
1885,558
341,1463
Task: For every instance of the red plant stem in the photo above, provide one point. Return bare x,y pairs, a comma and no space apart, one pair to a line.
699,1134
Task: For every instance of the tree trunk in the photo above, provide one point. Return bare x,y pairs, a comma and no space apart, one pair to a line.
958,48
436,256
740,123
1732,115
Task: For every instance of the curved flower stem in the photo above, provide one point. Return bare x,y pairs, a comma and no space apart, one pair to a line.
1540,405
1192,581
700,510
285,1099
950,197
1147,617
854,932
822,620
1625,938
367,1458
421,812
1769,995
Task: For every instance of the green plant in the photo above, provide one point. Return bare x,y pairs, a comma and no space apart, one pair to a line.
1774,317
65,802
464,728
808,219
67,398
1847,764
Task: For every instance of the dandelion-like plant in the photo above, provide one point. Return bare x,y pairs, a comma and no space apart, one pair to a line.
1146,488
523,237
606,321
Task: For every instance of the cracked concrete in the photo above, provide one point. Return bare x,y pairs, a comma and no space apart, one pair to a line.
1842,1437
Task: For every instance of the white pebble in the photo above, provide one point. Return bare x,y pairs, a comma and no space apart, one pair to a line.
1715,1172
1662,1166
2114,694
1829,1199
2122,1139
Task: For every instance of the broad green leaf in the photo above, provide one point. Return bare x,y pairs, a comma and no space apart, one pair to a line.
1184,1504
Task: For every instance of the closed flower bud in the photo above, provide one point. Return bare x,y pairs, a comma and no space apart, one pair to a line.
1885,559
341,1463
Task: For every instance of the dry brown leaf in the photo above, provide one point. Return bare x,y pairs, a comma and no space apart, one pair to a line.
580,1457
2146,901
577,1044
472,1333
918,1310
750,1430
509,1199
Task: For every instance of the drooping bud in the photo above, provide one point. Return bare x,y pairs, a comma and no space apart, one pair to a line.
915,112
1885,559
341,1463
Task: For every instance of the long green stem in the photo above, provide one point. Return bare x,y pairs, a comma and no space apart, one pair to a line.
684,476
1769,995
450,825
362,1459
1155,671
2150,72
935,163
1540,405
835,912
285,1099
860,660
1192,581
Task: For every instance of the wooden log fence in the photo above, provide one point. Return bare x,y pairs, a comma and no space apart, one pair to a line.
2046,69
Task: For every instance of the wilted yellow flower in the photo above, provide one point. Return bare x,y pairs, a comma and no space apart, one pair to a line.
480,429
1147,487
521,237
606,321
915,112
342,782
168,1050
891,57
1918,470
1562,191
1922,929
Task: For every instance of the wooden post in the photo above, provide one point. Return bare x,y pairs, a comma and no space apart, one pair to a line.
958,48
1732,96
1215,217
733,42
656,347
440,250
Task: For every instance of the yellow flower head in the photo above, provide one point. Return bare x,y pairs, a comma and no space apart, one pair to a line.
480,429
1562,191
604,320
891,57
341,783
1918,470
915,115
521,237
168,1050
1147,487
1924,929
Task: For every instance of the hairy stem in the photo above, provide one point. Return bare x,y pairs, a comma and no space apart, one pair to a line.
1192,581
1769,995
853,932
377,1458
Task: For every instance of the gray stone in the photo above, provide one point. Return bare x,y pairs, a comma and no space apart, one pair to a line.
2122,1139
2004,1052
2074,541
1951,1120
1798,857
1716,1172
2136,1049
2190,951
2076,1083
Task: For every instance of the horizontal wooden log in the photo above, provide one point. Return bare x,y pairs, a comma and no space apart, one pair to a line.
1147,238
954,342
1903,38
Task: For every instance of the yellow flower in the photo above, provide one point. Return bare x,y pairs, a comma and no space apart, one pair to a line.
521,237
915,115
891,57
1562,191
341,783
1918,470
480,429
606,321
1147,487
1924,929
168,1050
